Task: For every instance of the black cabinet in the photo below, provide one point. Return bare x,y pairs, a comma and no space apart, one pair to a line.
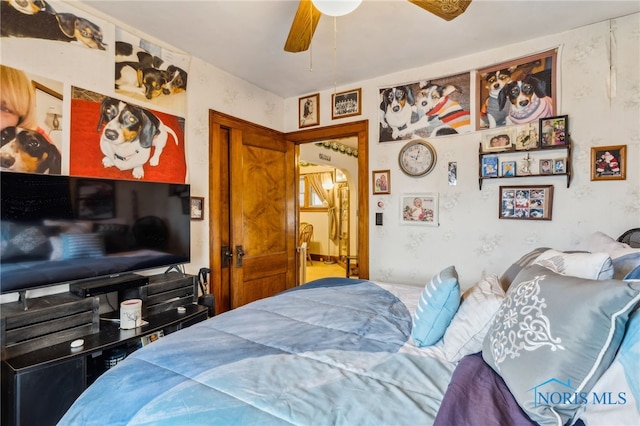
38,387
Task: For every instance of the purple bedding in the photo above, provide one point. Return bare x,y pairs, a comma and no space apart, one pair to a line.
483,394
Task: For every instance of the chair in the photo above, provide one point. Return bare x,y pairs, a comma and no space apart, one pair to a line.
306,232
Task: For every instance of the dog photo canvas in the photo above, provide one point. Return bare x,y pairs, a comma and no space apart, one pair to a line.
425,109
52,21
113,138
516,92
31,134
147,72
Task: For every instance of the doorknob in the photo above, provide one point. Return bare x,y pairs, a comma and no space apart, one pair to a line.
240,254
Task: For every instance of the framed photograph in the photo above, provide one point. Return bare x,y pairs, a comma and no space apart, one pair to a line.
554,130
490,166
346,104
419,209
381,182
560,166
197,208
545,167
526,136
528,202
309,110
609,162
501,140
508,168
537,71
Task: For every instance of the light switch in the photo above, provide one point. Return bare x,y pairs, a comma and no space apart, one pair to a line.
379,219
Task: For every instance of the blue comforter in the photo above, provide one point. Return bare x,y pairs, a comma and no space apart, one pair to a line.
330,352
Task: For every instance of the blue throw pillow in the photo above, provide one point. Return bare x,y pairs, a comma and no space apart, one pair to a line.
634,274
438,304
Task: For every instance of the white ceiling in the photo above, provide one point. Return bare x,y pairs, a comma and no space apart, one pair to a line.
246,37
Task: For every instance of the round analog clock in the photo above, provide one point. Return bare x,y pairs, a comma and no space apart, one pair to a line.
417,158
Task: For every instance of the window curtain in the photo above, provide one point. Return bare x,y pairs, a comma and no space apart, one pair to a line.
315,180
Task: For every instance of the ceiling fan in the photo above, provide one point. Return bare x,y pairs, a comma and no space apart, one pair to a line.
307,16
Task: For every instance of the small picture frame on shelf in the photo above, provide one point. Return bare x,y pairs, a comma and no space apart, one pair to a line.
546,166
526,136
554,131
490,166
508,168
501,140
609,162
526,202
560,166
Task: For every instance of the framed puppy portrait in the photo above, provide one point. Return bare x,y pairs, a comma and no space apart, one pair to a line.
499,100
526,202
554,130
500,140
309,110
197,208
381,182
609,162
346,104
419,209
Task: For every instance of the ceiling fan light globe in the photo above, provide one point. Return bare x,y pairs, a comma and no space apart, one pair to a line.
336,7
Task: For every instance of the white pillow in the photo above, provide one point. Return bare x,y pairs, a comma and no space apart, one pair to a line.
471,322
592,266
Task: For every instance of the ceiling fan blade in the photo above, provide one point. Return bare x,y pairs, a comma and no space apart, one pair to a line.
445,9
304,25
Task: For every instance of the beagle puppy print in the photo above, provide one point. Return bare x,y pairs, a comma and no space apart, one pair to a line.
437,111
147,75
39,20
128,135
491,113
527,99
25,150
396,109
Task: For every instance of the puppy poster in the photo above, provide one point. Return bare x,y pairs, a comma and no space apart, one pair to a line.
147,72
427,108
517,92
52,21
114,138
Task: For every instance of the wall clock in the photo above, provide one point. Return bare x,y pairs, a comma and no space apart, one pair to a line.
417,158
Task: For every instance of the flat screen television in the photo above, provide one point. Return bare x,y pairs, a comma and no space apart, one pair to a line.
61,229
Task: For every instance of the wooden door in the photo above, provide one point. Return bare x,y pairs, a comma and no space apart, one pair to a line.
260,214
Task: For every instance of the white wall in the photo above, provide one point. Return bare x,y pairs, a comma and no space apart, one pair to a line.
470,235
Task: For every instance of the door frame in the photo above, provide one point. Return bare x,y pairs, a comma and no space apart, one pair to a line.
359,129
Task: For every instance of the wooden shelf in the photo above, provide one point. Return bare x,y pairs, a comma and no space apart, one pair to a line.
512,151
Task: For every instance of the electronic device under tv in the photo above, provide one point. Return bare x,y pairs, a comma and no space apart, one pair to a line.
73,230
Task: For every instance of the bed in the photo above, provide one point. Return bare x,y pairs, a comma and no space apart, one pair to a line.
342,351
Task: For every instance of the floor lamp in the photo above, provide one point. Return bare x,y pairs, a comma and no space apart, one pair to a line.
327,185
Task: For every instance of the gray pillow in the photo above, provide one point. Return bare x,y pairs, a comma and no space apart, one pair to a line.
509,275
554,336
